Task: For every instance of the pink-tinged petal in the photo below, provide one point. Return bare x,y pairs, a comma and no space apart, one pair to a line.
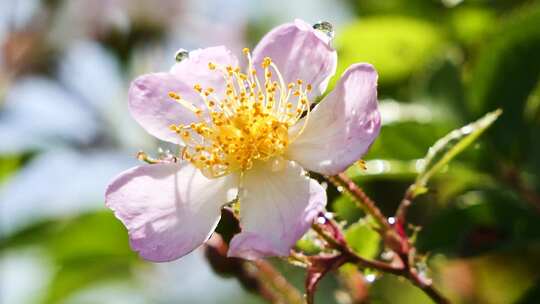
300,52
153,108
342,127
276,209
194,69
168,209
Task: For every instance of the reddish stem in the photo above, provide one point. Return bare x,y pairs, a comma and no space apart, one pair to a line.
393,237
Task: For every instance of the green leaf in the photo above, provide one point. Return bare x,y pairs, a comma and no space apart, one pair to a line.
384,169
8,165
74,277
446,148
87,249
346,209
506,73
309,243
397,141
384,41
392,289
418,8
471,24
91,236
363,239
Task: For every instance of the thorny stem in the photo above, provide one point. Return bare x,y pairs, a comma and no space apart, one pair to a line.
401,212
269,275
352,256
405,252
360,198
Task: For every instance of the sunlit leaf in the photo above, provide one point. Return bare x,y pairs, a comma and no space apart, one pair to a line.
385,169
346,209
420,8
395,45
91,237
446,148
407,140
8,165
363,239
72,278
471,24
391,289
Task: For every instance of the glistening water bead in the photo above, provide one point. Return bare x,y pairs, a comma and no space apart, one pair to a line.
325,27
180,55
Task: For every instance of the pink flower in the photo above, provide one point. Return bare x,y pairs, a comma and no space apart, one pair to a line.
247,134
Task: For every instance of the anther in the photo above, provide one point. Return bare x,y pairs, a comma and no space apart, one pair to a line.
173,95
266,62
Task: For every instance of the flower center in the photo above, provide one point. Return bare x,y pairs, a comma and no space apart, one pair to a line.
250,122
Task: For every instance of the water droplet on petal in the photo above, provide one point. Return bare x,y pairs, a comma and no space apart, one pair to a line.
325,27
391,220
181,54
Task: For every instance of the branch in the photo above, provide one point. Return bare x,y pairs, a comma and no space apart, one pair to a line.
394,237
405,270
344,249
360,198
401,212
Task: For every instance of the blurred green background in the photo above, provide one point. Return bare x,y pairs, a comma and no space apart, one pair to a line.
65,132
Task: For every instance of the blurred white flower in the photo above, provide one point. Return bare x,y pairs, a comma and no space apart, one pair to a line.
55,184
39,114
88,105
24,275
98,17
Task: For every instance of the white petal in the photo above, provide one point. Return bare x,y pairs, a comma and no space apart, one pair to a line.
300,52
342,127
168,209
276,209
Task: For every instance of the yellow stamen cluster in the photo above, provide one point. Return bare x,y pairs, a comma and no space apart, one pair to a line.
249,123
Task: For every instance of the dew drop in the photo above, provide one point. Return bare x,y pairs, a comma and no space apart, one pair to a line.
325,27
370,278
387,255
181,54
321,220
